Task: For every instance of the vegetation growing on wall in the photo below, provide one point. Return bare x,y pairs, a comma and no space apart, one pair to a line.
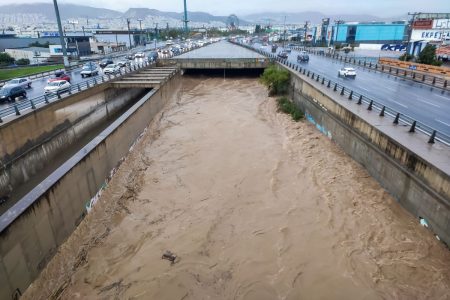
287,106
276,80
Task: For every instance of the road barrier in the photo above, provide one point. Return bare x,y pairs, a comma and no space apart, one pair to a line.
19,107
384,111
387,66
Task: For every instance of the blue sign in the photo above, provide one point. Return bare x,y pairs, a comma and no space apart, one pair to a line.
413,67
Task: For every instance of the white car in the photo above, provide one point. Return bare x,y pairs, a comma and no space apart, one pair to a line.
347,72
57,87
23,82
111,69
139,55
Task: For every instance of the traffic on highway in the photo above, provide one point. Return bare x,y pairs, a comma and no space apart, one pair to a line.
20,89
421,102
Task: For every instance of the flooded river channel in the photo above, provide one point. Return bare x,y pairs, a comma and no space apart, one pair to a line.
253,205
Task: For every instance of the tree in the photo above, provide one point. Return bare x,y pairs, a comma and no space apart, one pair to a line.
6,59
23,62
428,56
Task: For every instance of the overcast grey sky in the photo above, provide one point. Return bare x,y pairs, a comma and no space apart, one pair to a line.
240,7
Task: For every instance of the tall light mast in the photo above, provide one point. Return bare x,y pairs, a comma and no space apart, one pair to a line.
185,20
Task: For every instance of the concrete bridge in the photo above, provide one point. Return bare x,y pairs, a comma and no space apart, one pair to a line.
102,123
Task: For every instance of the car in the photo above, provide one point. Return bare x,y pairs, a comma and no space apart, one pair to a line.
175,51
23,82
123,63
139,55
283,54
288,50
129,56
303,57
105,62
60,75
10,93
111,69
274,48
57,87
347,72
153,55
89,69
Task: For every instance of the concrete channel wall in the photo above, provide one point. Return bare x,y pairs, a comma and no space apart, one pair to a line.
419,186
32,230
218,63
31,141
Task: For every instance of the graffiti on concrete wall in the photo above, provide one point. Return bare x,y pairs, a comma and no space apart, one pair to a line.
320,127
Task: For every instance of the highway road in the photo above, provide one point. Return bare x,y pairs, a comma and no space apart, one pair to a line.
37,87
421,102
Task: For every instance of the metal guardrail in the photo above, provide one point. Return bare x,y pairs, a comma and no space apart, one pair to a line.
18,108
373,105
433,80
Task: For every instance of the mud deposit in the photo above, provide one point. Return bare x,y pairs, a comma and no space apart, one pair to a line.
254,206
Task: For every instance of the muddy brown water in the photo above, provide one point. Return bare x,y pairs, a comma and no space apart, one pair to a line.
255,206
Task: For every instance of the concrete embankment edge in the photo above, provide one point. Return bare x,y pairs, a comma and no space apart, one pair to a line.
419,186
32,231
31,142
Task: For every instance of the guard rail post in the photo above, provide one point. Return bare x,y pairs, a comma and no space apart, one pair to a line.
16,109
413,127
433,135
370,105
342,91
32,104
382,111
397,117
46,99
350,97
335,87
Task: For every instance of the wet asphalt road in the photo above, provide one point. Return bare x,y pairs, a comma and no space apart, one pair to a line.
421,102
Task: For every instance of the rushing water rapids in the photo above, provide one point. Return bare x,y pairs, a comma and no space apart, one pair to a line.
255,206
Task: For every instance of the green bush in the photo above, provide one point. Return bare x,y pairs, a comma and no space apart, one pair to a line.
5,59
288,107
23,62
276,80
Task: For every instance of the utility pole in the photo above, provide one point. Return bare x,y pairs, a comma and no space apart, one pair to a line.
156,34
186,29
61,36
305,27
284,32
409,47
140,34
337,22
129,35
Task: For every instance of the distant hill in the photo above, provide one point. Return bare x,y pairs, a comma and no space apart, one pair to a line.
142,13
45,12
67,11
312,16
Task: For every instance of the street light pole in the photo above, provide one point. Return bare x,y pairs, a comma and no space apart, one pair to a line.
129,35
156,34
186,29
140,34
61,36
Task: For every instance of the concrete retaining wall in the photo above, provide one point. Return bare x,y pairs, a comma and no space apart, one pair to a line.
419,186
232,63
41,221
32,141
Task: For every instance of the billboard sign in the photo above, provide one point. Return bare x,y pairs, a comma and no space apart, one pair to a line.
430,35
423,24
441,24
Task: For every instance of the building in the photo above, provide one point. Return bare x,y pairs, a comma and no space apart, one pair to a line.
36,55
369,33
105,47
429,28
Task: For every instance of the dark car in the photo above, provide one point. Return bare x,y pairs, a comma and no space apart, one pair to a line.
274,48
60,75
153,56
303,57
175,51
283,55
105,62
11,93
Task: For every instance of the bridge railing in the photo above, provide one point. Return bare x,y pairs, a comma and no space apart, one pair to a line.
430,79
18,107
371,104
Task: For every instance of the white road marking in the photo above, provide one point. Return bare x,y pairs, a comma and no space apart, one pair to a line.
445,97
429,103
443,122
